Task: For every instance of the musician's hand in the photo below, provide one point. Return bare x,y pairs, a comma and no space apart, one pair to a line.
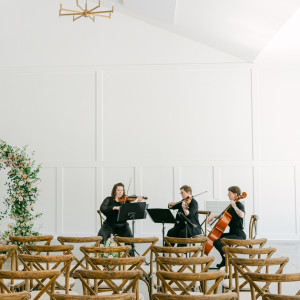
116,208
232,202
184,206
210,218
171,204
139,199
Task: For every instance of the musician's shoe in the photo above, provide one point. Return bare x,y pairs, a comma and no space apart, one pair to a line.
222,264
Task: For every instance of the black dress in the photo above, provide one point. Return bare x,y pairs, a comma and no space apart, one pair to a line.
111,225
181,229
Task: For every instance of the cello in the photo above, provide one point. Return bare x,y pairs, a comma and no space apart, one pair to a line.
224,219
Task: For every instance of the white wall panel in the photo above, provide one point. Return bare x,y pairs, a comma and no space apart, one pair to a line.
47,202
157,185
277,203
200,179
53,112
79,190
171,109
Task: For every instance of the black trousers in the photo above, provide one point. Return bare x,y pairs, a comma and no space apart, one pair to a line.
179,231
219,245
120,229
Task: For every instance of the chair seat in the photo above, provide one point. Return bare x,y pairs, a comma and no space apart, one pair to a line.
45,296
225,284
17,283
141,296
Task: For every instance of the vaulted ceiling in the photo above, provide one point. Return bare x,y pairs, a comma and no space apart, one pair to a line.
241,28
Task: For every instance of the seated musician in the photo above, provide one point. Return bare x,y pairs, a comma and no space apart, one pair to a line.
237,211
110,208
189,207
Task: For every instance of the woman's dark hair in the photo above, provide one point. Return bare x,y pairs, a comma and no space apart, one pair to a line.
113,191
235,190
186,188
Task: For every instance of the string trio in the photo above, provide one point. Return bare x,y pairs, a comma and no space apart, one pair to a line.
187,221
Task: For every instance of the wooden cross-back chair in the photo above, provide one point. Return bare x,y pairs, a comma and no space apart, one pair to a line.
149,242
157,251
102,218
79,261
16,296
11,253
131,277
127,264
127,296
242,266
62,264
257,291
226,296
205,214
190,280
180,265
253,243
47,250
253,226
201,241
39,276
232,252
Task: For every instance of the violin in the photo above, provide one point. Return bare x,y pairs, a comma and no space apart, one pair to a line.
126,199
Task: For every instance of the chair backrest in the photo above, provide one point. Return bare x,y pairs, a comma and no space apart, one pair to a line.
24,240
102,218
120,251
15,296
3,259
62,264
184,281
39,276
253,227
130,281
254,243
80,241
278,278
225,296
279,297
205,214
241,266
201,241
127,296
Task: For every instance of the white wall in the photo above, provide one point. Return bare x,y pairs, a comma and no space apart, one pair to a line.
144,103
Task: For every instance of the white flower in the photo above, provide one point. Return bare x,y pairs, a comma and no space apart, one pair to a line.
21,183
20,198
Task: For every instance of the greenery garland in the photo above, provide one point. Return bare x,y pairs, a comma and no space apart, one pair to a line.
23,191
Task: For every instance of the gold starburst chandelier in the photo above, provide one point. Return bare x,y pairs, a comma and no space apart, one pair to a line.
85,12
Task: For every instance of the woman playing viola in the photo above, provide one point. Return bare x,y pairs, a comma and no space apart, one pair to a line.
189,207
236,232
110,208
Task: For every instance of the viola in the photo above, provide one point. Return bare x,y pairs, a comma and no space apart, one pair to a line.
223,220
126,199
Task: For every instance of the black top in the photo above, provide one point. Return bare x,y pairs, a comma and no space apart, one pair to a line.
236,223
107,209
192,216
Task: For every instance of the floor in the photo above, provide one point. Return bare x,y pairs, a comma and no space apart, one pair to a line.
289,249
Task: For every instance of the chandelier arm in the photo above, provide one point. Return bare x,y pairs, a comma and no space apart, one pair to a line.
70,10
80,6
74,14
102,16
74,19
101,12
93,9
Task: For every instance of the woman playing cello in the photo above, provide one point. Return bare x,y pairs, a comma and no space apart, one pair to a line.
237,211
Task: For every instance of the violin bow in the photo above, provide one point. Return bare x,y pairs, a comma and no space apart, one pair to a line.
129,185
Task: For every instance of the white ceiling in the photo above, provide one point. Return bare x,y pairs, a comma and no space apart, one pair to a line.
241,28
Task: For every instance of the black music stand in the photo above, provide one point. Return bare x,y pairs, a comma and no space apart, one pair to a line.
163,216
133,211
187,221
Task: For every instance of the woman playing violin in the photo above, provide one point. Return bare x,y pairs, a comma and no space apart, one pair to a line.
110,208
189,207
236,232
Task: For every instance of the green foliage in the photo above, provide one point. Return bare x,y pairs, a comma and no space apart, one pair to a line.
22,191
